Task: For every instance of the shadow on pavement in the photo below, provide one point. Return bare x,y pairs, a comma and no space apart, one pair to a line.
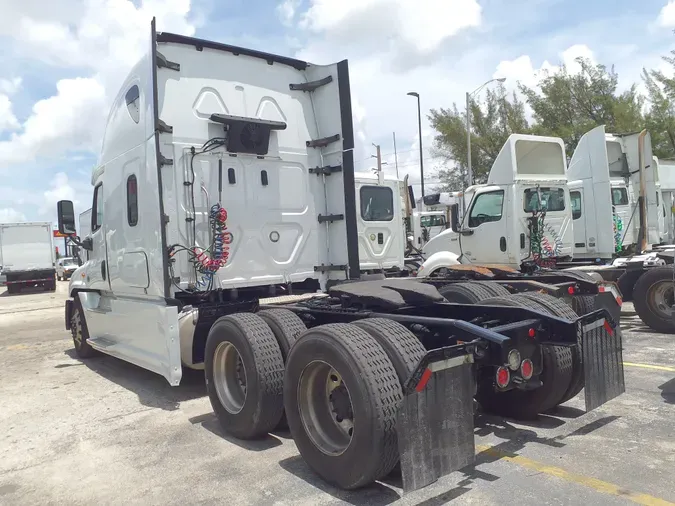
668,391
209,421
152,389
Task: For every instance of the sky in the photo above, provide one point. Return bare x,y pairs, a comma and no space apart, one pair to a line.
63,61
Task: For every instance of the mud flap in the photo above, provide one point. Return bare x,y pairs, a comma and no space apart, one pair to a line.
603,363
435,422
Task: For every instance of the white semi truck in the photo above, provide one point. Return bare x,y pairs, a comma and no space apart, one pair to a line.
606,180
28,255
521,215
226,175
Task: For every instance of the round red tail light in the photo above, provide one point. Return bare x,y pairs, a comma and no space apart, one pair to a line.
570,290
526,369
503,377
531,332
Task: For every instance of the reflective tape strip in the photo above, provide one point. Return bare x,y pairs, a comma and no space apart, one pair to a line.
448,363
594,325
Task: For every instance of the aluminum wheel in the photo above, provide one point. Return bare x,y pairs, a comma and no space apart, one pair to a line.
325,408
661,299
229,376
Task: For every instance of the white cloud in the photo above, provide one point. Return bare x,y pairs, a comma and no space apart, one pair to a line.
11,215
7,119
71,119
10,86
102,38
422,27
287,10
522,70
60,189
667,15
401,29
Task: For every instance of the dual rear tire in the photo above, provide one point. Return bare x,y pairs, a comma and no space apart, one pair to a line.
340,388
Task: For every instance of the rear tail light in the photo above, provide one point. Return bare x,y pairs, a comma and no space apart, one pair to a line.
526,369
502,377
570,290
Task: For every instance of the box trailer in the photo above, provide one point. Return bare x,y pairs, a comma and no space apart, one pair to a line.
28,255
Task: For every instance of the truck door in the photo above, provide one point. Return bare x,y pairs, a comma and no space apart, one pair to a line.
484,236
98,271
380,241
578,221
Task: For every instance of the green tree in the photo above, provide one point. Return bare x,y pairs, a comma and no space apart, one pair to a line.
567,105
660,118
491,124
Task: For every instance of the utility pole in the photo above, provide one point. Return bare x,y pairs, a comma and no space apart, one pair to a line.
380,175
396,156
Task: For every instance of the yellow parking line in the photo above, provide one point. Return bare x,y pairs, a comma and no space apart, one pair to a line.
649,366
598,485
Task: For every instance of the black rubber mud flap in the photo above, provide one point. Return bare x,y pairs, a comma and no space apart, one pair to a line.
603,362
435,421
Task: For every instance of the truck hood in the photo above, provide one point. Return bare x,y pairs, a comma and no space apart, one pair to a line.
448,240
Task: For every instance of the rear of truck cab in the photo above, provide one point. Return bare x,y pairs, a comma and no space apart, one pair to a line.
199,126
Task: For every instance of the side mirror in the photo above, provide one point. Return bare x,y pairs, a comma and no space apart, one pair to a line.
66,217
454,217
87,244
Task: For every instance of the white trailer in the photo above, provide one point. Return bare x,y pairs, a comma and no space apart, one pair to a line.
666,171
28,255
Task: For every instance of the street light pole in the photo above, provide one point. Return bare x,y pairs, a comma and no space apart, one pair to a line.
469,175
468,126
419,126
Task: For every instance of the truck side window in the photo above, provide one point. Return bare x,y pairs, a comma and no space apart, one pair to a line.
552,199
132,201
377,203
486,208
575,197
619,197
133,100
97,217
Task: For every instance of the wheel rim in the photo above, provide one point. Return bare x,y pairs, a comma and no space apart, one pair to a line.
662,298
229,377
76,329
326,408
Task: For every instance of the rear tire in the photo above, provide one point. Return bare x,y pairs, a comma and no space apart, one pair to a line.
653,298
286,327
496,289
401,346
465,293
244,372
556,375
364,392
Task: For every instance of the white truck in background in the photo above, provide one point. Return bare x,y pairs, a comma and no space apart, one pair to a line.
28,255
666,171
521,215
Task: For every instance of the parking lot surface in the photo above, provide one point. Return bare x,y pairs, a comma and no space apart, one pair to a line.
103,431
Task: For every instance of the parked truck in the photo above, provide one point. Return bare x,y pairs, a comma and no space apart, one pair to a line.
367,373
28,255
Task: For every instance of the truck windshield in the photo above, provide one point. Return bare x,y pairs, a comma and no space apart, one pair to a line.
552,199
377,203
437,220
619,197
